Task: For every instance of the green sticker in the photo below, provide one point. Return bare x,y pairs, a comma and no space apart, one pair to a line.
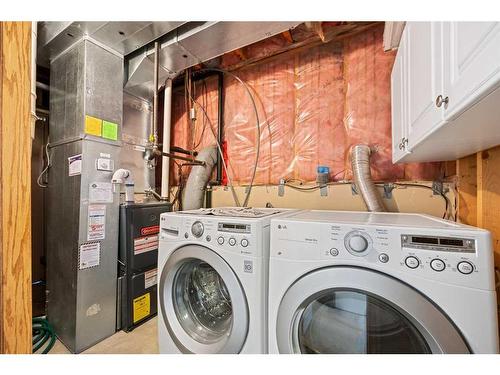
110,130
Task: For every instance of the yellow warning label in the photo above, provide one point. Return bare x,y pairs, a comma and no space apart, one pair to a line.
142,307
93,126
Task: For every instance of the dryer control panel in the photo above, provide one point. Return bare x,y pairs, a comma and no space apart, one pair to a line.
461,255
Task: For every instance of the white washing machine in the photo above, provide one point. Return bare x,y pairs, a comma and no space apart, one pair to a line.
357,282
213,282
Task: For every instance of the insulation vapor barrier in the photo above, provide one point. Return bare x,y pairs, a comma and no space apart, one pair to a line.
314,105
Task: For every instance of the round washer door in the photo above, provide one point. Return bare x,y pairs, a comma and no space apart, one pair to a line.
202,302
354,310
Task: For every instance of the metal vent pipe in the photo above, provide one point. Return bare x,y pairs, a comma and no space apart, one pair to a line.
360,160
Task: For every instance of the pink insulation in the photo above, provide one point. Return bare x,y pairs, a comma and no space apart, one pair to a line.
314,105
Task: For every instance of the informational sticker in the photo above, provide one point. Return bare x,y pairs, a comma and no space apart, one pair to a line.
145,244
75,165
93,126
150,278
110,130
104,164
142,307
101,192
105,155
89,255
96,222
153,229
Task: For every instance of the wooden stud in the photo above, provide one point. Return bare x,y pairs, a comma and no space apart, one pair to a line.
15,187
488,198
467,189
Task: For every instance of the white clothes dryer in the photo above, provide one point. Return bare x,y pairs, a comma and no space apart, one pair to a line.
357,282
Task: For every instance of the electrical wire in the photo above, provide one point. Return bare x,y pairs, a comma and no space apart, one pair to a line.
40,176
257,147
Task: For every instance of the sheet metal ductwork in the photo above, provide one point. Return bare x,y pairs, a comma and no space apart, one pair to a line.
360,160
198,179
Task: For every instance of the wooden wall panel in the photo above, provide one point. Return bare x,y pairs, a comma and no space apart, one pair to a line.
467,189
15,187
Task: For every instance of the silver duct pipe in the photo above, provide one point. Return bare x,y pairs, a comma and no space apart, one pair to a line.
360,160
198,179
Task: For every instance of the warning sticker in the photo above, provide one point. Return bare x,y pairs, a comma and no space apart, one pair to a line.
150,278
145,244
89,255
96,222
75,165
142,307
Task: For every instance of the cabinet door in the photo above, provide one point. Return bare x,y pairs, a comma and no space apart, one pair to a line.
471,63
398,110
424,77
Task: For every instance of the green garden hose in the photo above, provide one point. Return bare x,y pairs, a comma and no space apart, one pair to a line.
42,333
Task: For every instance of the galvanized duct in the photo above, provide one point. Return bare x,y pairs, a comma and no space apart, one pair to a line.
198,179
360,160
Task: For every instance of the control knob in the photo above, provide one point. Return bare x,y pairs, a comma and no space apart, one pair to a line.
357,243
197,229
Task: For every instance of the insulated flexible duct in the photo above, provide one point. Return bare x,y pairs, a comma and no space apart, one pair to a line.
198,179
360,160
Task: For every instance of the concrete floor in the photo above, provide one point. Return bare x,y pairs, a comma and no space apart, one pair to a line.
142,340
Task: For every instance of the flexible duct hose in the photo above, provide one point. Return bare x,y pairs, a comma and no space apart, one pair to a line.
42,333
360,160
198,179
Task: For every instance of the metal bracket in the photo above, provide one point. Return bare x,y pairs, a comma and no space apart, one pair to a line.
388,188
323,190
281,187
354,189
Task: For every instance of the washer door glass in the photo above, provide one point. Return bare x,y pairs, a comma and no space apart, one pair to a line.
346,321
202,302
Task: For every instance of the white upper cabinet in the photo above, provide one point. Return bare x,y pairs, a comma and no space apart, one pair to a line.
398,87
424,81
472,62
445,90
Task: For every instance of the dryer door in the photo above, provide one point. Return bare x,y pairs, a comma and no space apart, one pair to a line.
202,302
355,310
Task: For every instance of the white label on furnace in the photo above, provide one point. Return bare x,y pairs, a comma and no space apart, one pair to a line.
90,254
75,165
101,192
96,222
103,155
145,244
150,278
103,164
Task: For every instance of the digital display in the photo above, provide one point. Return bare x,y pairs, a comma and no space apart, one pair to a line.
425,240
232,227
450,242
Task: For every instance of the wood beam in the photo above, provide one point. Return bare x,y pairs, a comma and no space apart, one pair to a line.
15,187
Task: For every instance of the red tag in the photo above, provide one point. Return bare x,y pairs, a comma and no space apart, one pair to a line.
150,230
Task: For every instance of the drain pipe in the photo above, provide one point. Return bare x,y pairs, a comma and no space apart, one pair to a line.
360,160
167,123
124,176
198,179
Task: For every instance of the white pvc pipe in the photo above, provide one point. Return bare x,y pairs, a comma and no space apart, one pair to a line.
167,124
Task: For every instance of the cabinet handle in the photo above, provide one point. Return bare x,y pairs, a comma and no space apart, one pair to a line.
440,101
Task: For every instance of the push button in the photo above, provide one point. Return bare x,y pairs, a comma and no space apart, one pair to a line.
465,267
412,262
220,240
244,242
438,265
232,241
384,258
334,252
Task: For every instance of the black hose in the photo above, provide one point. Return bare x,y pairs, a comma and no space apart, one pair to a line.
43,334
